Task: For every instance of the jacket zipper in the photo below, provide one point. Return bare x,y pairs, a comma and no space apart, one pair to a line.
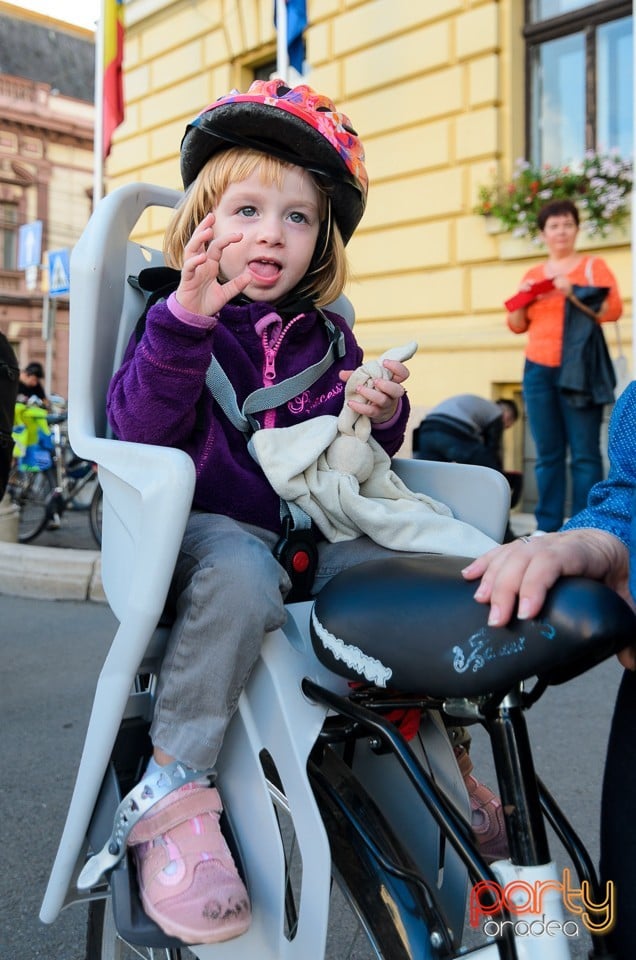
270,352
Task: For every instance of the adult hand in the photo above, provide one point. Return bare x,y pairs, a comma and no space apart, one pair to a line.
563,284
525,570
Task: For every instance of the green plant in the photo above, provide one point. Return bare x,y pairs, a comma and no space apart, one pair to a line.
600,186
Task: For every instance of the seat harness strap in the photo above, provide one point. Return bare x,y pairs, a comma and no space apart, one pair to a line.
267,398
295,549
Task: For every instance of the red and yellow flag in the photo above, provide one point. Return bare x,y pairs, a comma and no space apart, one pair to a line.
113,28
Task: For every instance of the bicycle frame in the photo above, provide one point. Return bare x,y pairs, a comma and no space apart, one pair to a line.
283,710
63,492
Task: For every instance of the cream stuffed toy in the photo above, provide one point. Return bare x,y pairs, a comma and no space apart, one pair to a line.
334,470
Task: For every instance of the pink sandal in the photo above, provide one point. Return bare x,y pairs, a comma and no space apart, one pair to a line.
487,819
188,881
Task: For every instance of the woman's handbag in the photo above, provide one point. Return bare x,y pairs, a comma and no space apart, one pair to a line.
620,362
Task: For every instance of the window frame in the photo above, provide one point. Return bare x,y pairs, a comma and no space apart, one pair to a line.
585,19
9,228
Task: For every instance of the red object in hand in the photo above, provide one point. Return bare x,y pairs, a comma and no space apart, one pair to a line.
525,297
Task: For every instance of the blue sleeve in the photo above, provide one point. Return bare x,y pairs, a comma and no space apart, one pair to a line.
610,503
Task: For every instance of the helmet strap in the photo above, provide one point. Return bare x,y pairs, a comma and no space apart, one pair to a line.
327,232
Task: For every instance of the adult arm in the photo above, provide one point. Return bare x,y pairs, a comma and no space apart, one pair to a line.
518,320
599,275
595,543
612,307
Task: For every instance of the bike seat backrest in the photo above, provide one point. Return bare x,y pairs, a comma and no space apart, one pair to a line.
411,624
140,481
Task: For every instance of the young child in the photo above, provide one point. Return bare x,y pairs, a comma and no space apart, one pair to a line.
275,186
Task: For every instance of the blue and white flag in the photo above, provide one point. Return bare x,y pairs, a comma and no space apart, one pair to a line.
296,23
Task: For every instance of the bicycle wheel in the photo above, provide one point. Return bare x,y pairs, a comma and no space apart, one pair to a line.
104,943
373,914
95,514
30,492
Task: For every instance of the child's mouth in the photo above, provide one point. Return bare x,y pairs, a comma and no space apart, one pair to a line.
265,269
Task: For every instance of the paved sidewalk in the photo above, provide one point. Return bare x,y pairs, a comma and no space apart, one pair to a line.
62,564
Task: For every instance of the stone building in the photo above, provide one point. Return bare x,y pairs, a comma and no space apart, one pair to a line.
46,172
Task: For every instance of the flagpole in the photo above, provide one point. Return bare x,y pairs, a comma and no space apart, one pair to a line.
282,55
98,133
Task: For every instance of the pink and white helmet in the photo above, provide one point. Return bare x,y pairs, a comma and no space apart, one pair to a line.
295,124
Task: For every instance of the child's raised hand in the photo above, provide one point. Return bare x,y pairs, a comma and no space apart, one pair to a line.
200,291
379,400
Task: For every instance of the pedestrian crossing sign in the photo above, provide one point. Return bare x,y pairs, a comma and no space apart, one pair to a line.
59,273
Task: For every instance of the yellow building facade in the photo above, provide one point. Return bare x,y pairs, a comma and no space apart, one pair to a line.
435,88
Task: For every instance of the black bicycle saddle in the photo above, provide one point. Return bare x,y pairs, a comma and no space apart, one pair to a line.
411,624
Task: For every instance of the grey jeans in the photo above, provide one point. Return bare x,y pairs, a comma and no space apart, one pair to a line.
227,593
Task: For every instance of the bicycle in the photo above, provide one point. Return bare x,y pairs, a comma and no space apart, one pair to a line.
321,789
44,493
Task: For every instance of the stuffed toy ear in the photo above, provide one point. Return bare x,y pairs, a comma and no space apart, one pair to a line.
403,353
350,452
350,422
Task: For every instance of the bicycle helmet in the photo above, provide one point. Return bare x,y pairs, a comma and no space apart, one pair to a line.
296,125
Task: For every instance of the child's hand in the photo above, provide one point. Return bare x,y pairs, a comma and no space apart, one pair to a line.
379,401
200,291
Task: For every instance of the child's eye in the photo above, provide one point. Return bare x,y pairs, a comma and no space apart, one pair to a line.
297,217
247,211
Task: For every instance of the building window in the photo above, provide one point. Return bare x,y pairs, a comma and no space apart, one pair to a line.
578,56
8,236
265,71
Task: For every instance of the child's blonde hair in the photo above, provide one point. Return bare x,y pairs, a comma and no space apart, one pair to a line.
328,271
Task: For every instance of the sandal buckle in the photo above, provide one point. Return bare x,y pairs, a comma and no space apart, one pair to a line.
132,808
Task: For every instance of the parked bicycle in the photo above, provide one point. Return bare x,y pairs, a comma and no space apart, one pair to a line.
48,485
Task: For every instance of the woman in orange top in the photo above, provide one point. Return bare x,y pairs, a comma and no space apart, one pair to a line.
555,423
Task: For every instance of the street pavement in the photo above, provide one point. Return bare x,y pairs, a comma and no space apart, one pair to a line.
74,533
63,564
51,656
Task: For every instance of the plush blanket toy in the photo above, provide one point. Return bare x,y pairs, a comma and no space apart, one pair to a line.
333,469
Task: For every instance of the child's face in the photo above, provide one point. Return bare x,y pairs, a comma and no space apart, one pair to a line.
279,227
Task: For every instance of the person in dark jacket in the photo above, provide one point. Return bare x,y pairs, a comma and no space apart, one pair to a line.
468,428
9,374
465,429
30,384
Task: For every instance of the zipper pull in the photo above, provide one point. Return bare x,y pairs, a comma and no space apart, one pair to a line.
270,369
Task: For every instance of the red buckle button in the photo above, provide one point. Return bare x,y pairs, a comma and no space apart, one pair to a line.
300,561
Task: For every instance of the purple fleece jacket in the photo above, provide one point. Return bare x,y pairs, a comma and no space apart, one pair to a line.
159,394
